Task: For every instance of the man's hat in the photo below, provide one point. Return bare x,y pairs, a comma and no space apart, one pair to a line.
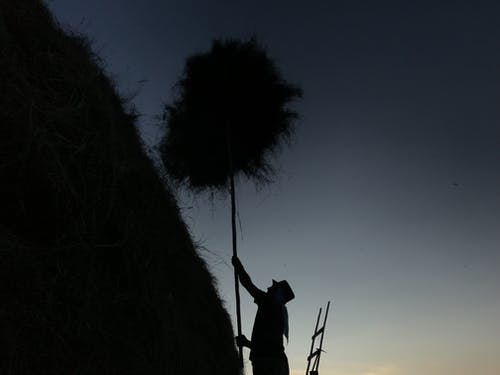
287,290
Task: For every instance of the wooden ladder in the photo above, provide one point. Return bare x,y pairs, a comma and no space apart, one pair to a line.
314,355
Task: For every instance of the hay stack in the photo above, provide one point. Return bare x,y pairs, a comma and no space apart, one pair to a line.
98,273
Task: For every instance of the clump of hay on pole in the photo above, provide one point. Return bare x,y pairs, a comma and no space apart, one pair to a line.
232,96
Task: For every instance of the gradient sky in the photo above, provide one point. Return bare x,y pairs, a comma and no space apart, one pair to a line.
387,201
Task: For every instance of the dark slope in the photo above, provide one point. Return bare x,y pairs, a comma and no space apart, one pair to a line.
98,273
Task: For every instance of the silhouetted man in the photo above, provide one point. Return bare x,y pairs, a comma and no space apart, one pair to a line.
267,352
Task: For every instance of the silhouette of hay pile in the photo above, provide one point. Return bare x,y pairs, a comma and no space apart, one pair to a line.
98,273
231,96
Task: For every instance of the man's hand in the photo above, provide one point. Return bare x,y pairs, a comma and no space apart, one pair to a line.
236,263
243,341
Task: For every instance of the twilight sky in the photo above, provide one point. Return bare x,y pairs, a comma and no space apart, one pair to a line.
387,201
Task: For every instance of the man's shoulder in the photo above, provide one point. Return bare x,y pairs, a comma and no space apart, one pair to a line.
261,298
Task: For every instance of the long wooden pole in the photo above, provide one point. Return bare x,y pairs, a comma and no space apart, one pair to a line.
235,254
235,247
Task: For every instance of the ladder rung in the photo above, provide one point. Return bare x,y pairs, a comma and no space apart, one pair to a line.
314,354
318,332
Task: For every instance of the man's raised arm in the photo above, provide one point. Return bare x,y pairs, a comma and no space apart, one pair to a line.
245,280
